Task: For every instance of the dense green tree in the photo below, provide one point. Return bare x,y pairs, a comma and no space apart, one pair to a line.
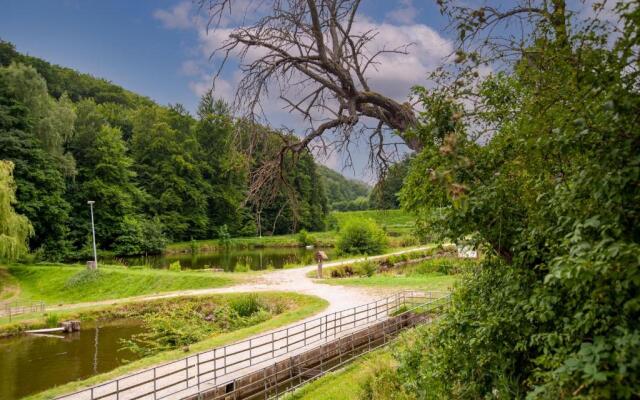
104,176
340,189
552,196
38,176
384,195
222,166
169,171
15,229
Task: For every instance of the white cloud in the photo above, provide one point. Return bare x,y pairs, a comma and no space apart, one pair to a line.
405,14
191,68
178,17
393,76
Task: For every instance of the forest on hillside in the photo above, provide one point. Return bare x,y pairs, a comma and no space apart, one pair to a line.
157,173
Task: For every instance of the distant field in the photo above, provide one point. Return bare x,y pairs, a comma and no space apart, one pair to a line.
70,284
395,222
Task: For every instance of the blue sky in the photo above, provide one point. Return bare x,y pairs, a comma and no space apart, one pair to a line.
158,49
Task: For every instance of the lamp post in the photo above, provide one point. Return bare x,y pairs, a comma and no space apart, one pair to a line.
93,231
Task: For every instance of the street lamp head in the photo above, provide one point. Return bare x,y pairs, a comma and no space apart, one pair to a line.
90,202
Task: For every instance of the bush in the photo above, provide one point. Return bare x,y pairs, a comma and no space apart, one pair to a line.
304,238
139,236
175,266
361,236
368,268
246,306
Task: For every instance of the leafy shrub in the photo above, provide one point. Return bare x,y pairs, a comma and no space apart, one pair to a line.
342,271
361,236
175,266
245,306
368,268
304,238
224,237
139,236
381,381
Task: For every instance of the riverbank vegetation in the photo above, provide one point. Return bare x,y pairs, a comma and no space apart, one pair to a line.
435,269
398,225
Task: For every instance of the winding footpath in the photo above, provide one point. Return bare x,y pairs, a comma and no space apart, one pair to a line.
289,280
286,280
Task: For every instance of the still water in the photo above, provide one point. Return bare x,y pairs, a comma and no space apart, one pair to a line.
256,259
33,363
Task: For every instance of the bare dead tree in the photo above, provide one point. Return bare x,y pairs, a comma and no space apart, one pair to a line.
311,52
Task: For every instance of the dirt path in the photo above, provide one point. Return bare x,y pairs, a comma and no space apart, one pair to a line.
288,280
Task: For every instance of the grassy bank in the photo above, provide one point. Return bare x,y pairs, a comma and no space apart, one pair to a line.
346,383
55,284
435,269
302,307
397,223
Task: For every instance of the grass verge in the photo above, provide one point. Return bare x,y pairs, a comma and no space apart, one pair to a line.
306,306
56,284
345,383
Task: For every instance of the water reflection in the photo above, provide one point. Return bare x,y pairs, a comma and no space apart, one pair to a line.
256,259
32,363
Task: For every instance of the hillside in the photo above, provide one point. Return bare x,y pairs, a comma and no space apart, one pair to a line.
340,188
77,85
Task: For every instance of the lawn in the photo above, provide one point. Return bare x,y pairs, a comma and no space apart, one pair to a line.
55,284
431,281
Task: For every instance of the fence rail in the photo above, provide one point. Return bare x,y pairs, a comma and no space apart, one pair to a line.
10,309
189,376
287,375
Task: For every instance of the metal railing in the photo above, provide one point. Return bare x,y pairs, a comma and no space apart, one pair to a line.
184,377
10,309
285,376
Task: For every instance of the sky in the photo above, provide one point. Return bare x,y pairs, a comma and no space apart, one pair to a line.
161,49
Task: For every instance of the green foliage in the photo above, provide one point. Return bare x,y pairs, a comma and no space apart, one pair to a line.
138,236
15,229
37,155
305,239
180,324
361,236
52,320
384,195
224,236
140,162
342,192
175,266
552,197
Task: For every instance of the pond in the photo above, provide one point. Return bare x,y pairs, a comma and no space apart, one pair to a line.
33,363
227,259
